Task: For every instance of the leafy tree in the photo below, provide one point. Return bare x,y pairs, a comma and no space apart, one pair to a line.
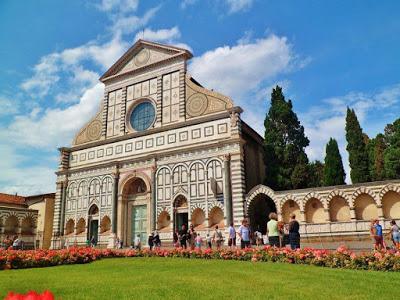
316,174
358,155
392,152
376,148
333,171
300,174
284,143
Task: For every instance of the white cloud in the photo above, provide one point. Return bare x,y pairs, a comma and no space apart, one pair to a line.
238,5
118,5
238,70
159,35
127,24
328,120
21,174
186,3
8,106
55,126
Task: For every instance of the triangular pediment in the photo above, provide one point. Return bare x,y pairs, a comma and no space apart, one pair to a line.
143,54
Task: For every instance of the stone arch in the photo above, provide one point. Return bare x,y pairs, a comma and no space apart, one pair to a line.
105,182
260,189
183,174
94,186
123,184
28,226
198,218
164,221
93,210
259,210
70,227
391,205
289,207
83,188
337,193
105,225
314,195
314,210
163,168
365,206
180,201
81,226
388,188
72,189
362,190
216,217
339,209
11,224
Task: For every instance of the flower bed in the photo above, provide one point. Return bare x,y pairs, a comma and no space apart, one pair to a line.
341,258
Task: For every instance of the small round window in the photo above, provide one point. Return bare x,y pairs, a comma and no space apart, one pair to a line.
142,116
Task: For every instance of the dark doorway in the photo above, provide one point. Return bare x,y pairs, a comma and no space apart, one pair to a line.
259,210
93,230
181,218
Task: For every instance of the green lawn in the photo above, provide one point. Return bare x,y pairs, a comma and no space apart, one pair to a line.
168,278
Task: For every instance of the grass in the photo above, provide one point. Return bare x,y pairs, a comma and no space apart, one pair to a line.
169,278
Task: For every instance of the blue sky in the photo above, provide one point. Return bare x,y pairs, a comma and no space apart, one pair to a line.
326,54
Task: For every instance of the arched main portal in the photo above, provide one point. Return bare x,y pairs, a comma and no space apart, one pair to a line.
181,215
93,216
259,209
136,214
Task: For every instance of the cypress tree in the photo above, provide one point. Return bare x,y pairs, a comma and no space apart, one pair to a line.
333,171
316,174
284,143
358,155
300,173
376,149
392,152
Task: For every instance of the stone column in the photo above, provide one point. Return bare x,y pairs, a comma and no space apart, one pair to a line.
327,216
64,186
380,212
153,211
115,202
228,190
302,217
352,214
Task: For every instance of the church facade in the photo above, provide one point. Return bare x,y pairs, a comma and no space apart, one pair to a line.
163,151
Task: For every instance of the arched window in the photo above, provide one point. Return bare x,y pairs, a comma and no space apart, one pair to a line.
365,207
198,218
28,226
216,217
315,212
105,225
70,227
164,221
81,226
11,225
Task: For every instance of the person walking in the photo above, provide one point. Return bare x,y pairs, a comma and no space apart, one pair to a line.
218,238
183,235
395,234
156,240
232,236
175,239
150,241
199,241
244,234
294,234
272,230
137,243
191,237
378,235
209,239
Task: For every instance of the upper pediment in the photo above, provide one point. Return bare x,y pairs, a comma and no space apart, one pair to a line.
141,55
